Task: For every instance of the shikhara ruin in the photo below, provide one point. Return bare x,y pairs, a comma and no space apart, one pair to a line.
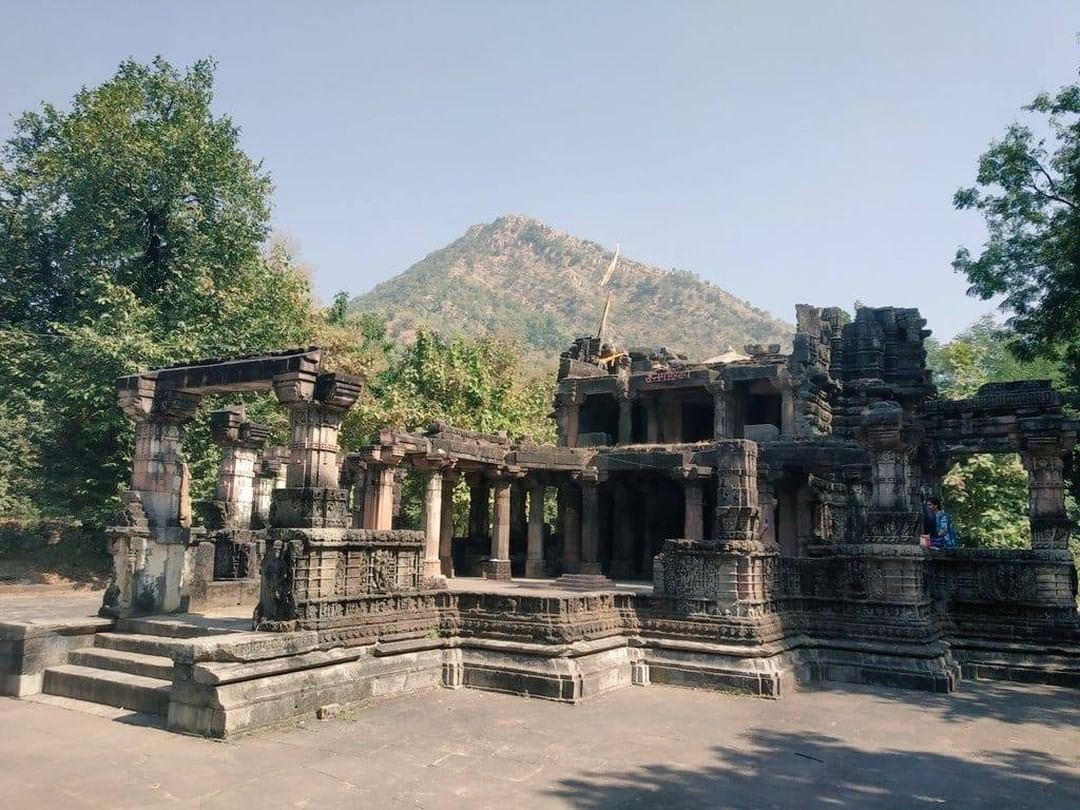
748,522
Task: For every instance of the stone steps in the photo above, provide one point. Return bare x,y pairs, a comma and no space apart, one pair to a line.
137,643
120,689
585,582
133,663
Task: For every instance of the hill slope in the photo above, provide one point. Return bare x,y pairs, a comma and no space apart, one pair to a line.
521,277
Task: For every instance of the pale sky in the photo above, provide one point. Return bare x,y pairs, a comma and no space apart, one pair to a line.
788,151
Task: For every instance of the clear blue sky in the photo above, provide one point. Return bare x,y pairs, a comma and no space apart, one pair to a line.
788,151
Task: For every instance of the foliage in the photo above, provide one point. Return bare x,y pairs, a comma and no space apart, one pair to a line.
1028,191
476,384
132,229
987,496
984,353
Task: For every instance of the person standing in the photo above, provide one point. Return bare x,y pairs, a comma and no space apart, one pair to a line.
943,534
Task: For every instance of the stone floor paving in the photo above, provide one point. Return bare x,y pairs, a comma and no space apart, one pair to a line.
44,603
988,746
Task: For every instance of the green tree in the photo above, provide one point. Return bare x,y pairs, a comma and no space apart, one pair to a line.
132,234
1028,191
475,384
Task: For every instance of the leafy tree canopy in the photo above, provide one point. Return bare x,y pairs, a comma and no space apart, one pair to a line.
1028,191
132,234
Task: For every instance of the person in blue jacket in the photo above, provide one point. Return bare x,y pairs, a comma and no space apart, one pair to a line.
944,535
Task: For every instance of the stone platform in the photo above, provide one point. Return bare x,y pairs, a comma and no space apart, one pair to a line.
210,674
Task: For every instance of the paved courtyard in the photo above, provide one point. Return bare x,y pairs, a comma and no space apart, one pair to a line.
991,745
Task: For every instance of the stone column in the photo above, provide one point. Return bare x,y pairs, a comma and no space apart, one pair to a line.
385,485
571,528
626,420
738,511
721,415
694,517
567,412
433,513
159,473
269,471
240,442
787,412
316,404
590,523
446,525
767,503
534,563
890,437
497,566
370,511
1050,526
500,530
359,496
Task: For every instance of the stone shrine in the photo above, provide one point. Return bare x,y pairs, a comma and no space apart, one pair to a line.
761,512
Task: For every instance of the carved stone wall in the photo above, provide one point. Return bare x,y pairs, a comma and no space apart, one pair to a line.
330,578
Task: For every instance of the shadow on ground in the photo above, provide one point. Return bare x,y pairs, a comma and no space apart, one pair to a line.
1019,704
791,770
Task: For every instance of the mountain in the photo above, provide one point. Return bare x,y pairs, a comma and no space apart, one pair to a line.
521,277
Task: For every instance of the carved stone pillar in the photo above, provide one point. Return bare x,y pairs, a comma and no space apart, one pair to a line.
385,486
269,471
359,495
890,437
446,525
1050,526
497,566
240,442
787,412
767,503
693,496
158,473
534,563
738,507
721,411
567,413
500,530
590,523
316,404
433,494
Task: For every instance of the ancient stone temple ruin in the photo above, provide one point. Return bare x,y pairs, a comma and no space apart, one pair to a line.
747,522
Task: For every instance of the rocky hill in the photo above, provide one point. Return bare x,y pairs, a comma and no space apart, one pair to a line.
520,277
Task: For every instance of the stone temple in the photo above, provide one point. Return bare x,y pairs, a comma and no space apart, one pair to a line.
749,522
